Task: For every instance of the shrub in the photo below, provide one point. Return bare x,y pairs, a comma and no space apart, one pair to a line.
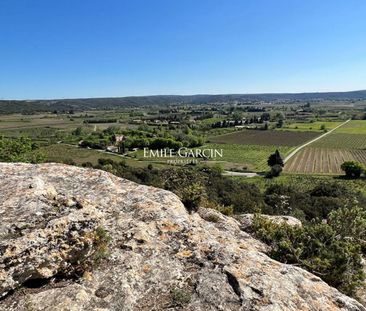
318,247
19,150
69,161
352,169
350,224
161,143
103,161
276,170
275,158
226,210
282,199
191,196
180,297
87,164
101,241
329,189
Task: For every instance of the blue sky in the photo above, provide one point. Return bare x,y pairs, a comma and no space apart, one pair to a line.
97,48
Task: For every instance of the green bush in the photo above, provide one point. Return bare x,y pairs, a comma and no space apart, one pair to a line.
275,158
352,169
323,249
315,203
350,224
191,196
180,297
161,143
276,170
19,150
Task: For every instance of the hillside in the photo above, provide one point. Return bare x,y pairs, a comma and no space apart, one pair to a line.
14,106
83,239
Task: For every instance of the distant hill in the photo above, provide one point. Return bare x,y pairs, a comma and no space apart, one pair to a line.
12,106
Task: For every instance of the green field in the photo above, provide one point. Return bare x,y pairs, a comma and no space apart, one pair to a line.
266,138
323,160
235,157
352,135
325,156
65,154
209,121
353,127
249,157
342,141
243,150
310,126
12,122
18,122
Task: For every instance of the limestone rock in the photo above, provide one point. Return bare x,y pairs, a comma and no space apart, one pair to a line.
246,220
160,257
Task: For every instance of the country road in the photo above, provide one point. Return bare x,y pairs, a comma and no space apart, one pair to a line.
232,173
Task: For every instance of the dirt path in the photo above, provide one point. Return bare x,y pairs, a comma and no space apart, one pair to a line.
313,140
231,173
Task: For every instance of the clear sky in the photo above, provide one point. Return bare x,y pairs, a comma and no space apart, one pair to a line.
97,48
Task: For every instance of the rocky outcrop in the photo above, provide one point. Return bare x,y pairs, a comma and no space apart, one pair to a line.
83,239
246,220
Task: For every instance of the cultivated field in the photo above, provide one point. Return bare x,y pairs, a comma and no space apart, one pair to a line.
359,155
249,157
18,122
353,127
61,153
325,156
323,160
310,126
342,141
265,138
243,149
24,123
65,154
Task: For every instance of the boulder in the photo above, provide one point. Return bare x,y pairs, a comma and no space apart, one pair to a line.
246,220
83,239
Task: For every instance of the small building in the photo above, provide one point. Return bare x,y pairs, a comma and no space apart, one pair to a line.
119,138
120,143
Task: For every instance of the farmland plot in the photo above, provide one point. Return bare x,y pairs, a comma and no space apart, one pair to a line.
253,157
353,127
310,126
323,160
359,155
342,140
265,138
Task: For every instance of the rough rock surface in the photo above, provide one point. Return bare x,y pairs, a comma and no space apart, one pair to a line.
246,220
160,257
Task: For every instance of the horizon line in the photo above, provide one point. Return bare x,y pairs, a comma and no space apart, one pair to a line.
183,95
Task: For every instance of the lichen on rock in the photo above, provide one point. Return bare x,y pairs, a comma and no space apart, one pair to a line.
159,257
